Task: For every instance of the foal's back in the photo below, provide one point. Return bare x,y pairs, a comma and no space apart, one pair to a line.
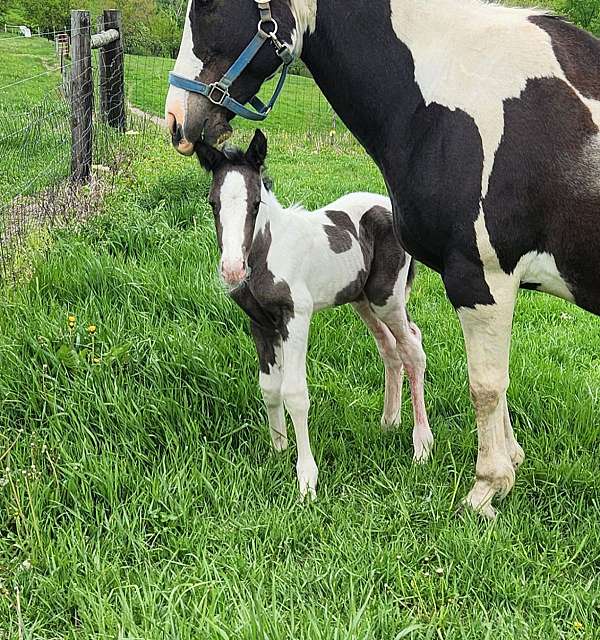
340,252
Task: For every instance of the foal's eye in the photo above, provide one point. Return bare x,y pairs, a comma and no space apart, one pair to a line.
256,206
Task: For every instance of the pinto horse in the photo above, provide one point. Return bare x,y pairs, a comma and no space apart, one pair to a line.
282,265
484,121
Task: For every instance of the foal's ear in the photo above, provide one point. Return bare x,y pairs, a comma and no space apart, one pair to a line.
210,158
257,151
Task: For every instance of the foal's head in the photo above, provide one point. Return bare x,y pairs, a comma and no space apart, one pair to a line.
235,198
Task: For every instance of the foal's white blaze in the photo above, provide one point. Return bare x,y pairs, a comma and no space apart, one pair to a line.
186,65
234,200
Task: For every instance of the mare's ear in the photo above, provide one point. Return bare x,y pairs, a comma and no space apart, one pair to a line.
210,158
257,151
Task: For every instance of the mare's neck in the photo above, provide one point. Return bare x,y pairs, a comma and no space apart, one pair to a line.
367,74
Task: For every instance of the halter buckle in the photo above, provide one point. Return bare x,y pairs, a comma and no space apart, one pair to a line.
267,34
215,87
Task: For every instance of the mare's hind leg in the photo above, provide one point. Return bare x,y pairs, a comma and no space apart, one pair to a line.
270,378
410,350
386,345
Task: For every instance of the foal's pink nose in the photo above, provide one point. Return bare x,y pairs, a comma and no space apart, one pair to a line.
233,271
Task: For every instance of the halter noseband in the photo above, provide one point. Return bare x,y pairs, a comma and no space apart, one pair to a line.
218,92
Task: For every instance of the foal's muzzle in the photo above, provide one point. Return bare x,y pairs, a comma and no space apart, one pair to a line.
233,272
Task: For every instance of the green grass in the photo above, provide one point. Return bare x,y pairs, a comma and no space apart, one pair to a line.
34,117
143,493
139,498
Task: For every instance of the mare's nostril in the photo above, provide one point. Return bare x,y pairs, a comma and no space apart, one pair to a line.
177,133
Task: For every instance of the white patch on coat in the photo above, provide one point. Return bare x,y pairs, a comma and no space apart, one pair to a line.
232,216
541,268
473,56
186,65
305,15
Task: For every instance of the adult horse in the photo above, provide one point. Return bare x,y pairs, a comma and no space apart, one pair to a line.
484,121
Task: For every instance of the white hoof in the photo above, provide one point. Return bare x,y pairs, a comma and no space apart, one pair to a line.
517,455
307,480
422,445
484,509
279,440
390,423
497,482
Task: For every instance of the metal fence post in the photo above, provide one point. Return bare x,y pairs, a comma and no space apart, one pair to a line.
112,76
82,97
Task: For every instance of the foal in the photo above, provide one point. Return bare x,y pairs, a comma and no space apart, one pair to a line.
282,265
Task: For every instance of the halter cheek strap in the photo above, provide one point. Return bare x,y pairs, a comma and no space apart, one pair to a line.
218,92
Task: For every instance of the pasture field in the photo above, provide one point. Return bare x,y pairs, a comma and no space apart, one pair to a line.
140,499
34,117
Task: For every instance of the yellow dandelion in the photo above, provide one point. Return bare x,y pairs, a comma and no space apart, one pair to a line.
71,319
96,360
577,625
92,328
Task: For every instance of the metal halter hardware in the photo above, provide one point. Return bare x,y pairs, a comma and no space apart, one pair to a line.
218,92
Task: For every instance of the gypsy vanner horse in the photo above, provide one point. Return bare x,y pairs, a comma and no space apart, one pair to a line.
484,121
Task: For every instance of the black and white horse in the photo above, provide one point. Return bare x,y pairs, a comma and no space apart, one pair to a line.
284,264
484,121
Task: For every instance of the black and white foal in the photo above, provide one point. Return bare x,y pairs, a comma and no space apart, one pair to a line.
284,264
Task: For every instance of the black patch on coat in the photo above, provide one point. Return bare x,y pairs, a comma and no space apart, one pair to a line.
267,303
274,298
544,192
577,52
265,341
383,257
431,157
387,256
340,233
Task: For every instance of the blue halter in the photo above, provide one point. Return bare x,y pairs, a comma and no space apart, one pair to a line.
218,92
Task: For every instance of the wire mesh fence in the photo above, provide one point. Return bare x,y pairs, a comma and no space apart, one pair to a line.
41,124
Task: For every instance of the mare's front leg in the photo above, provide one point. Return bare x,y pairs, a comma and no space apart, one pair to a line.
270,378
295,397
487,332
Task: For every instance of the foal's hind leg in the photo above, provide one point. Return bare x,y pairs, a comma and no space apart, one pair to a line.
410,350
386,345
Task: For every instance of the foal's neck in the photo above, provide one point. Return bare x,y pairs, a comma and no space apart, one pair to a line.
270,210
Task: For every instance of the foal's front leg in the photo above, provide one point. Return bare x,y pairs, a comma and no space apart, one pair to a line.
268,347
295,398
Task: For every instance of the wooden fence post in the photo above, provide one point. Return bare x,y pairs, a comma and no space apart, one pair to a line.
82,97
112,76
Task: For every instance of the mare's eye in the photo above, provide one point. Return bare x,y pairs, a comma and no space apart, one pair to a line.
256,206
